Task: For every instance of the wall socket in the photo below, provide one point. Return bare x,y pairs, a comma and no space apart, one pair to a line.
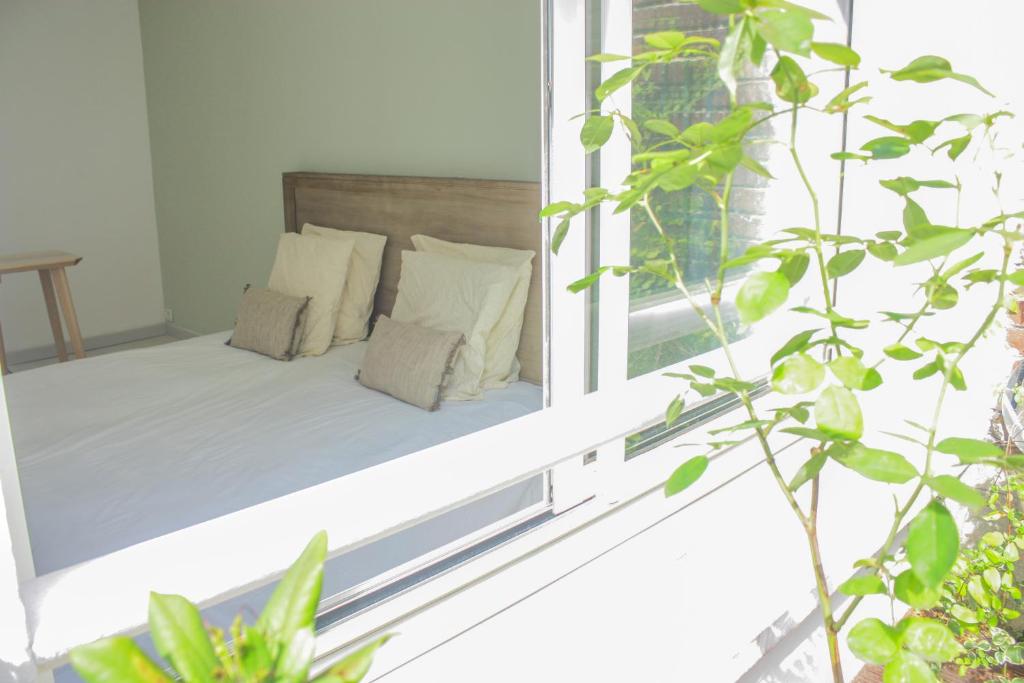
169,315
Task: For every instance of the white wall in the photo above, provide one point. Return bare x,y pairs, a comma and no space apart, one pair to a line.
75,171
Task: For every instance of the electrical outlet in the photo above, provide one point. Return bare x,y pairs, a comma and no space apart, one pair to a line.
168,315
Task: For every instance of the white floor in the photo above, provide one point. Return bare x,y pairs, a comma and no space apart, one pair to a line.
138,344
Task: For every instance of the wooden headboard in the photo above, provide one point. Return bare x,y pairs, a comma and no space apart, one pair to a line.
495,213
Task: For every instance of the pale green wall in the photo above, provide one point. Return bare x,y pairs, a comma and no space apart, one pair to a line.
240,91
75,168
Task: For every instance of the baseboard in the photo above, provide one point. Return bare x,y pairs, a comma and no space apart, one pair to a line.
179,332
99,341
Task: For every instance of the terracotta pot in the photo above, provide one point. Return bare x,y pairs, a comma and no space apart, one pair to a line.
1015,337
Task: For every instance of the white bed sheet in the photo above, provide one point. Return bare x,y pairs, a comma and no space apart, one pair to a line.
114,450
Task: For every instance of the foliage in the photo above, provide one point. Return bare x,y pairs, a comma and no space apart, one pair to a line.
980,598
822,372
278,648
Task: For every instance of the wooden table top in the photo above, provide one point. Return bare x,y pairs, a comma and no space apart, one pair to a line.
36,260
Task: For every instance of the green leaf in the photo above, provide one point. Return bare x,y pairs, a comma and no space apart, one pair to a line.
932,544
555,208
926,370
674,410
617,81
809,470
854,374
913,216
850,156
941,241
969,448
721,6
792,7
956,146
883,251
293,664
798,374
844,263
901,352
685,475
179,636
842,102
910,590
808,433
292,606
962,613
253,653
875,464
560,233
867,584
873,641
930,639
797,343
589,280
596,131
931,68
606,57
907,667
950,487
760,295
666,40
787,31
791,84
702,370
992,578
734,48
794,267
887,147
916,131
837,53
838,414
115,660
755,166
662,127
354,667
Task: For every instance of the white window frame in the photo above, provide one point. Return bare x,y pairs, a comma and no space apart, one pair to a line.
43,617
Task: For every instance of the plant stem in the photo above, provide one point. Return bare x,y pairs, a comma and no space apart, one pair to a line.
824,595
902,512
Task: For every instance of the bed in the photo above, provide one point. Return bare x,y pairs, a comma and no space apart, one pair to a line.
118,449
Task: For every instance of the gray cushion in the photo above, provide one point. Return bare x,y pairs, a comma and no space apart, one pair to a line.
270,323
410,362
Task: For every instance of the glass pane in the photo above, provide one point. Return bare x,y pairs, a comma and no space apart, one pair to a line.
662,328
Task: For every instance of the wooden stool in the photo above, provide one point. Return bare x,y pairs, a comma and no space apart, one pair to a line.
50,265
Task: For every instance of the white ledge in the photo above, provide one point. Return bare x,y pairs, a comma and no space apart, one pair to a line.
233,554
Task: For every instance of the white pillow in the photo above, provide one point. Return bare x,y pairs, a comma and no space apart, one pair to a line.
361,284
315,267
502,366
455,295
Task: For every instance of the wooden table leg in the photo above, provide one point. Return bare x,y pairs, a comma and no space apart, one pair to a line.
51,310
3,355
60,281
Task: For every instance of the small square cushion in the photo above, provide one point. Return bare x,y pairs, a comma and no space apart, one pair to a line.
501,364
314,267
410,362
360,285
269,323
455,295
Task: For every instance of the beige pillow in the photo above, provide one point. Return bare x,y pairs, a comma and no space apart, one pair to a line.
360,286
316,267
269,323
410,362
501,364
455,295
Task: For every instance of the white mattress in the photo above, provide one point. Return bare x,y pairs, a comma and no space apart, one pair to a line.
117,449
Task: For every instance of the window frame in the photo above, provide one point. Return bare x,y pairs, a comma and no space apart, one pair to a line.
76,605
